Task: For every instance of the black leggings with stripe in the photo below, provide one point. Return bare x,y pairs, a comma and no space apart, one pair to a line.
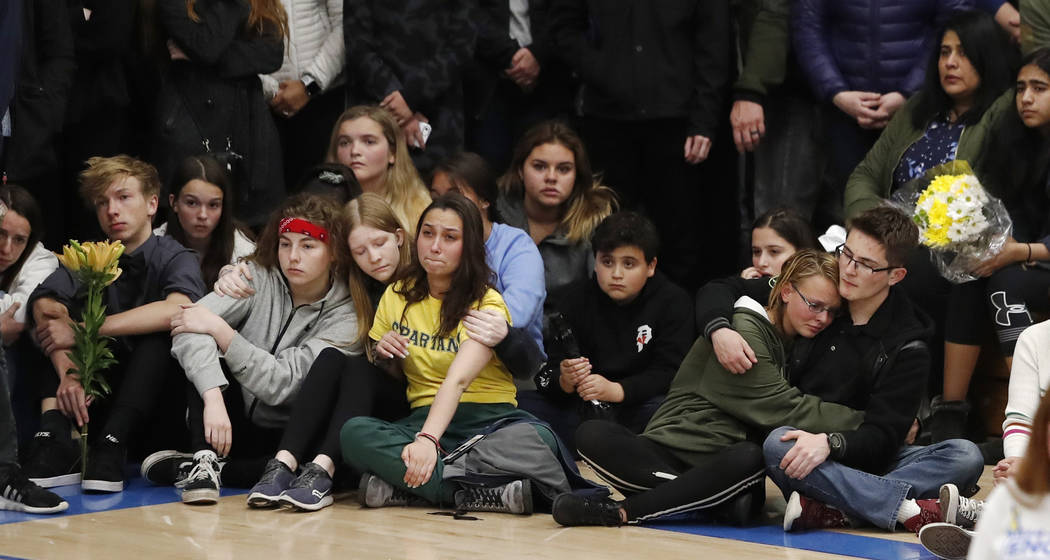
656,482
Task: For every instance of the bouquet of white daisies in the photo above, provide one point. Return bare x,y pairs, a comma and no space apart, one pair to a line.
960,223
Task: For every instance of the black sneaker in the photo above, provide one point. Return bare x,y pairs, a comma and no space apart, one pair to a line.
276,478
375,492
202,485
167,467
18,493
737,512
513,497
105,467
573,510
53,460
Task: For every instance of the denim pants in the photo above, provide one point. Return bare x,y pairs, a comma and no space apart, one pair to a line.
918,472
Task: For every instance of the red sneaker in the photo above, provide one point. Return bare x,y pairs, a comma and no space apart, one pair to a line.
929,512
805,513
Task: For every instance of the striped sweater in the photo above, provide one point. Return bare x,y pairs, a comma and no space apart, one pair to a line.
1029,380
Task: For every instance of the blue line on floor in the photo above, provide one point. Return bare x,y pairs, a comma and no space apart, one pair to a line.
137,493
818,541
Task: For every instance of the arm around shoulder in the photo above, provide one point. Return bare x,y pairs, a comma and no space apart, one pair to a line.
762,397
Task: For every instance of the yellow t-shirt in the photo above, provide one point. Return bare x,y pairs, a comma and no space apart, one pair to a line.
429,356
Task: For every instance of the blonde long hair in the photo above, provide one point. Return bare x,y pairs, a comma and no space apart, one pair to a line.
371,210
590,201
405,191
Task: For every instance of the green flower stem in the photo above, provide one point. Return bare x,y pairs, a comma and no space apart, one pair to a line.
91,354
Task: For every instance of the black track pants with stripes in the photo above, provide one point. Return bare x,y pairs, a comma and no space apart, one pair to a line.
659,484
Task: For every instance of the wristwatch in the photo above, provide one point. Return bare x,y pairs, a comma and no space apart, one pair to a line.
312,87
837,444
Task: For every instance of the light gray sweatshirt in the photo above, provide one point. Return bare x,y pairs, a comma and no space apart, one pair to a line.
275,345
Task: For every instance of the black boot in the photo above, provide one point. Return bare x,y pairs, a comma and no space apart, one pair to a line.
948,420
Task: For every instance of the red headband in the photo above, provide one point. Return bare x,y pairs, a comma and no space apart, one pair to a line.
296,225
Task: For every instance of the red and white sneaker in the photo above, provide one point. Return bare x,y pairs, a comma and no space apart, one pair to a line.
806,513
929,512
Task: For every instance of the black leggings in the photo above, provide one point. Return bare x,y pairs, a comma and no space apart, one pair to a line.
149,390
1013,292
147,401
336,389
643,470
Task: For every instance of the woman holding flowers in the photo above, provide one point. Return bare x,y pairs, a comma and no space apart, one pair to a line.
259,348
948,119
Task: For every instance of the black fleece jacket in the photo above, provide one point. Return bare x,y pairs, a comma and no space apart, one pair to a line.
608,334
880,367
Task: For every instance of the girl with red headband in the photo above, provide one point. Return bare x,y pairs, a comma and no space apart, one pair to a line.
339,387
247,358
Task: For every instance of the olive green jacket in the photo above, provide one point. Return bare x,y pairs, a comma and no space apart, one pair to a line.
764,45
1035,25
709,408
872,180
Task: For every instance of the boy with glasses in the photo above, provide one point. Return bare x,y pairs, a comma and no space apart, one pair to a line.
874,358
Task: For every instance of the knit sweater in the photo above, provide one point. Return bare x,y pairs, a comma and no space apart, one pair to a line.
1012,528
1029,380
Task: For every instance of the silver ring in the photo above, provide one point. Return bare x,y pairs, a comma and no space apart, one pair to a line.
754,133
289,113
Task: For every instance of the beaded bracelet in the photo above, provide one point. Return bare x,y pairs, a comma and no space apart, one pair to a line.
433,440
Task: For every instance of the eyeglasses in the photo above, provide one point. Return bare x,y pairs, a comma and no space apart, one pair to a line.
814,308
843,251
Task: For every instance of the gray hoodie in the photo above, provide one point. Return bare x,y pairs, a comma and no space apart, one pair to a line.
275,345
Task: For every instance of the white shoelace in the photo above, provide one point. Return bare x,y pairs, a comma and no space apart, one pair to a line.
204,469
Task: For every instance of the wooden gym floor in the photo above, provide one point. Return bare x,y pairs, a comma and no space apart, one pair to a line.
149,522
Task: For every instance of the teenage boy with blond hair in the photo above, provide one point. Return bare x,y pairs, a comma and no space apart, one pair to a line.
158,276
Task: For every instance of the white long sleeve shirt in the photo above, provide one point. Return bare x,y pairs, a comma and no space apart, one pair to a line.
39,265
1029,379
1010,529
